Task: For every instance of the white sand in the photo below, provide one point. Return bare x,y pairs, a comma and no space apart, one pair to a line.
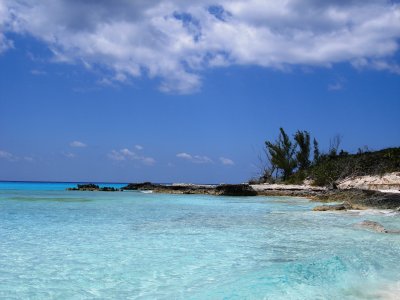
389,182
293,187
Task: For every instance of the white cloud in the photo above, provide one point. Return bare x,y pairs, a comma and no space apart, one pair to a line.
138,147
197,159
126,154
226,161
184,155
68,154
337,86
176,40
77,144
148,160
13,158
386,66
8,156
38,72
5,43
380,65
116,155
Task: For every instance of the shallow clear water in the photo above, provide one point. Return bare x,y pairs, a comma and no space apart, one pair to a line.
131,245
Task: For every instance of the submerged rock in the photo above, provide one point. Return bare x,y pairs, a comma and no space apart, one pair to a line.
343,206
374,226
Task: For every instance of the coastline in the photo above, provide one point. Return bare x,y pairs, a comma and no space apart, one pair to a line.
351,198
354,198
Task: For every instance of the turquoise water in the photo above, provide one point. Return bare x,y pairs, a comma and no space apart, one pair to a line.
48,186
56,244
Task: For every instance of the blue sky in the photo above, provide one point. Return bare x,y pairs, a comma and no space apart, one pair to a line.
174,92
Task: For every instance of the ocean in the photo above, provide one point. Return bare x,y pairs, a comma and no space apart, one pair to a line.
58,244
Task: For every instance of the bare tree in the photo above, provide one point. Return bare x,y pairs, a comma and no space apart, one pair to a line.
334,144
265,167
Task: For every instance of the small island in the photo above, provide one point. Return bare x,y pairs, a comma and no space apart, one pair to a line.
91,187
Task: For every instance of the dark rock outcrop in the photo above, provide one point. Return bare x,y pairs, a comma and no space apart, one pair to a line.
170,189
362,198
109,189
186,189
85,187
144,186
220,190
235,190
92,188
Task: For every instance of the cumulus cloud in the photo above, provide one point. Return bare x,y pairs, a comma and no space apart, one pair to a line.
126,154
226,161
138,147
77,144
197,159
175,40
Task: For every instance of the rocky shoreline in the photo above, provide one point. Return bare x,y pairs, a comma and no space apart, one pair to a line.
351,198
218,190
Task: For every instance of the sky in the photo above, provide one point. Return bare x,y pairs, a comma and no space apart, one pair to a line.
189,91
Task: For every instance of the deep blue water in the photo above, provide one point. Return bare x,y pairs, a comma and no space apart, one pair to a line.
58,244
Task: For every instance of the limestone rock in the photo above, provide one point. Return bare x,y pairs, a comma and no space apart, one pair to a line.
374,226
343,206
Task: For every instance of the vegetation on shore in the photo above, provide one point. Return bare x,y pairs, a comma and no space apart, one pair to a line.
289,161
